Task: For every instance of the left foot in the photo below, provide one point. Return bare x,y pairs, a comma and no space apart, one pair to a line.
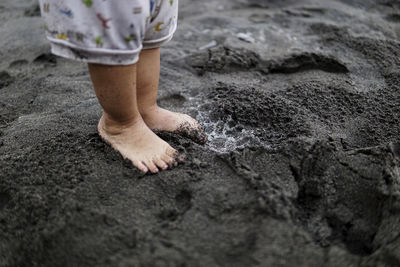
159,119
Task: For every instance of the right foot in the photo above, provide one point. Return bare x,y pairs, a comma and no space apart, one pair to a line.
136,142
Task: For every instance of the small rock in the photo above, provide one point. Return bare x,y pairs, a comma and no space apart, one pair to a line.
245,37
196,162
209,45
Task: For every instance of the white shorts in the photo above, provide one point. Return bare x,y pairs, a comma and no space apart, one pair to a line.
110,32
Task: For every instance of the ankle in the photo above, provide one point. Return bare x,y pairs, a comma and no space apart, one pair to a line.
114,127
149,111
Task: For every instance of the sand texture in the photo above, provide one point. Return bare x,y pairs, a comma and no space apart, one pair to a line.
301,103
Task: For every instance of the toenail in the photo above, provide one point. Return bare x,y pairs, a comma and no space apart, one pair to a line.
181,158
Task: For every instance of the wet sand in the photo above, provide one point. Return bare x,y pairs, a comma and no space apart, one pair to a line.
301,103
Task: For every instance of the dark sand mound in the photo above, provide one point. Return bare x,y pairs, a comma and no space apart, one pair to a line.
300,100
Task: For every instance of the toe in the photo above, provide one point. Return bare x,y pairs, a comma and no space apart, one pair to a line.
193,122
202,138
171,152
152,167
180,158
160,163
167,159
140,166
176,157
192,129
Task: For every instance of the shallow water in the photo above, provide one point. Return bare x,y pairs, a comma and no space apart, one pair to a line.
224,136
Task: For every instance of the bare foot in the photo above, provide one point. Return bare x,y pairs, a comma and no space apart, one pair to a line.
159,119
136,142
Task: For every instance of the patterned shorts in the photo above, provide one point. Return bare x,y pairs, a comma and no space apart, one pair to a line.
110,32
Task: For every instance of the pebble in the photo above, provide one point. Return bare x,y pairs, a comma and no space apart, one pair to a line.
245,37
209,45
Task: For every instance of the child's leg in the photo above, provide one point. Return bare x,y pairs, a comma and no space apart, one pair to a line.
121,124
148,72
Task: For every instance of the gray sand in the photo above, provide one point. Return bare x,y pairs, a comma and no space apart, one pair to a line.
301,103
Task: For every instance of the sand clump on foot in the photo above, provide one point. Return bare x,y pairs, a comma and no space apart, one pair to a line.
136,142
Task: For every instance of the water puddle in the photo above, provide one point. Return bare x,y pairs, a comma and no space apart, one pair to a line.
226,136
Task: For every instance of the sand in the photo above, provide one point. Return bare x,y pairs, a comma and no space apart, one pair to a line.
300,100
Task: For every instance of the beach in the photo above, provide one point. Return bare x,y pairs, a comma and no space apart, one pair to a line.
300,100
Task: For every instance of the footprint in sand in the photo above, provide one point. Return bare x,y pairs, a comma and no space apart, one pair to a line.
46,58
5,79
173,100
